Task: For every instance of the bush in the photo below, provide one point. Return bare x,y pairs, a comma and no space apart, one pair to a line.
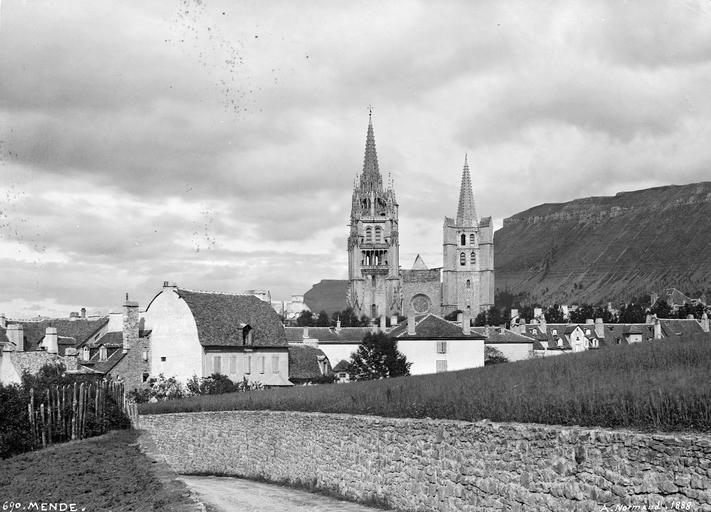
493,356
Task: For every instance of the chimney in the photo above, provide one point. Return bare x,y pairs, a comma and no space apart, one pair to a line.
51,343
305,334
657,329
411,324
70,359
466,323
705,322
393,321
382,322
514,316
130,324
460,315
653,298
74,315
537,312
599,328
338,325
3,321
83,313
589,321
16,335
649,319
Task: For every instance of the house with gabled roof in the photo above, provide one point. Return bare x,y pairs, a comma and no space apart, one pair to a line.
433,344
338,343
201,333
308,364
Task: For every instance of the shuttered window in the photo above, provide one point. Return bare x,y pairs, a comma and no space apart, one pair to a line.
275,364
441,366
216,364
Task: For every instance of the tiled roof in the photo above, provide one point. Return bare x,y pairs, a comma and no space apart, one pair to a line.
78,329
220,318
328,295
434,327
500,335
303,362
113,357
328,334
534,331
685,327
342,366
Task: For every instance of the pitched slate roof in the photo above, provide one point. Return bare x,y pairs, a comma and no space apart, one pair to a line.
328,334
500,335
303,362
681,327
220,318
534,331
433,327
114,356
79,330
342,366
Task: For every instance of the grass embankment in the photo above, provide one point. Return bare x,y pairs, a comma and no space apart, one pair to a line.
660,385
101,473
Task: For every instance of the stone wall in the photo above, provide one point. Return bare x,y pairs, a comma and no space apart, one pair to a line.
418,465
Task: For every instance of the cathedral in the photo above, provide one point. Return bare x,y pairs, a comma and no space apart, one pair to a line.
378,287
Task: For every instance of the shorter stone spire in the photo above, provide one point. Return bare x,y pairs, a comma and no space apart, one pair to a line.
466,211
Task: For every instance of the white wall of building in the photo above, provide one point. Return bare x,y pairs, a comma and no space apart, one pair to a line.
459,354
174,338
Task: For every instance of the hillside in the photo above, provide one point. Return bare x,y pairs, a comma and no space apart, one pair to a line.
600,249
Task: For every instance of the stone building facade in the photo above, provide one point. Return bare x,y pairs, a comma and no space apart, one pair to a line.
377,287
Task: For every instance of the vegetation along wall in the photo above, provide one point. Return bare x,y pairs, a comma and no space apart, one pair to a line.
422,464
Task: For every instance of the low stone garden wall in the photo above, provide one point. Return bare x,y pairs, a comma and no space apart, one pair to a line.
418,465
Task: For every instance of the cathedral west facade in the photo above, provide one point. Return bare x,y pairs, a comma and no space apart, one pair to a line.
377,287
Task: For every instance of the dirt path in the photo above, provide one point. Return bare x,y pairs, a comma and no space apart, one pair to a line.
224,494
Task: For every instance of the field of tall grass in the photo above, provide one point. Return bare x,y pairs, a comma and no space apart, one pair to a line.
659,385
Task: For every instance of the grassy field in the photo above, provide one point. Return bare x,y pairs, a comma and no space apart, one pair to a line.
659,385
98,474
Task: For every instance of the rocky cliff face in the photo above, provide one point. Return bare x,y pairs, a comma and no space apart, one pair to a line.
601,249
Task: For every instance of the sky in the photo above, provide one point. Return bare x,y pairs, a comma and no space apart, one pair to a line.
214,144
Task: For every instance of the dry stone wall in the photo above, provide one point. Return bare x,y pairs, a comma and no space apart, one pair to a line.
418,465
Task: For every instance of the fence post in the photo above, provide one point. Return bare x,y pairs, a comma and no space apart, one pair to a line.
44,422
75,410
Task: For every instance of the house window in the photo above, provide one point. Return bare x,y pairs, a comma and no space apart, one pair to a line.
144,354
145,376
248,364
464,239
378,234
216,364
85,354
260,361
471,239
233,364
162,359
555,332
469,283
247,337
441,365
441,347
472,258
560,342
368,235
102,353
275,364
462,259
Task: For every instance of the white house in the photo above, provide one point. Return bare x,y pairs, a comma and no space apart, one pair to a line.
201,333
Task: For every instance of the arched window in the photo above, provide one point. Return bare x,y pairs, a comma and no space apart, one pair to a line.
469,284
472,258
368,235
462,259
102,353
471,239
378,234
464,239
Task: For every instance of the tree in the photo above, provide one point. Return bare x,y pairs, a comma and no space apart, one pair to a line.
605,314
583,313
377,357
480,320
493,356
632,314
554,315
322,320
305,319
662,309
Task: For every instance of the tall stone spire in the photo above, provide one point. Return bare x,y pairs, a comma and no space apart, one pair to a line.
466,212
370,178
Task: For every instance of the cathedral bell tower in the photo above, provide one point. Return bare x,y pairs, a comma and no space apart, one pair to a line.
468,254
373,245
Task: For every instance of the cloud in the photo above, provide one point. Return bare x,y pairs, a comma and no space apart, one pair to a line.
215,144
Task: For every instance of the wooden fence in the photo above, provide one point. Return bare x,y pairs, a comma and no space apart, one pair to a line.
64,413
